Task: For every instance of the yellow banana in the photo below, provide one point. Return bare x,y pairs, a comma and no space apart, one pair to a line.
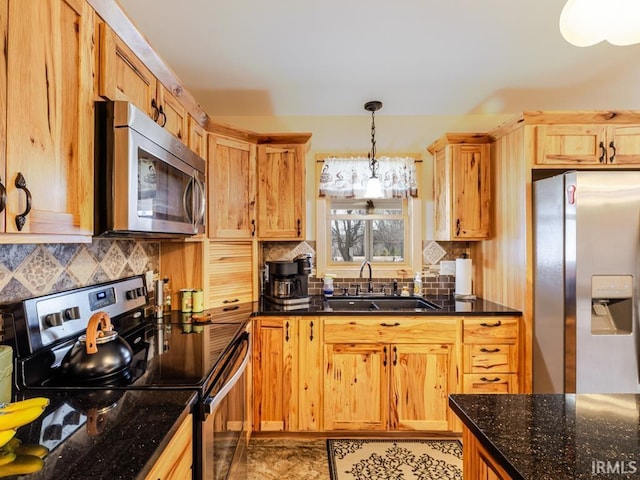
22,465
7,457
22,404
6,435
39,451
11,445
17,418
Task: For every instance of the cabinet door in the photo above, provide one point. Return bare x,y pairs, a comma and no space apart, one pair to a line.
471,192
442,194
571,145
623,144
310,373
228,275
356,387
273,373
49,117
422,378
176,460
197,137
173,115
232,188
123,76
281,185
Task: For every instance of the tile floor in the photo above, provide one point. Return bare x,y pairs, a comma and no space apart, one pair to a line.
287,459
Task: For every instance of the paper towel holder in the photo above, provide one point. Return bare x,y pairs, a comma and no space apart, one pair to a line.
463,290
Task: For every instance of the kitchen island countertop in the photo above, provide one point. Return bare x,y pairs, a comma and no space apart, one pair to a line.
450,306
556,436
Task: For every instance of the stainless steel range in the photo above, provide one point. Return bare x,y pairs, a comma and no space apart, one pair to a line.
175,353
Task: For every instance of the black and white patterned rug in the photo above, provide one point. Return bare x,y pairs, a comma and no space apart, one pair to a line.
395,459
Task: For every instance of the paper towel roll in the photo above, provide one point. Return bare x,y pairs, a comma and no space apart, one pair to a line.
463,276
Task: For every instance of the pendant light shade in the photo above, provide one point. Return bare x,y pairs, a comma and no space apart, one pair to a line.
374,185
586,22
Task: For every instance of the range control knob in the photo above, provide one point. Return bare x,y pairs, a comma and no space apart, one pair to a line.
140,291
71,313
53,319
131,294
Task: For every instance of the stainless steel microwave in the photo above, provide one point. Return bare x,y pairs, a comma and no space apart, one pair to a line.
147,182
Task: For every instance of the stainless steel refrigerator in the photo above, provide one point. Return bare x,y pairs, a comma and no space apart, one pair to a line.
586,269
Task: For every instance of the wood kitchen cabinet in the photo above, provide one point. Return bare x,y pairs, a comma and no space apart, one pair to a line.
176,460
281,187
274,374
462,190
47,132
123,76
477,463
197,137
231,178
388,373
588,145
224,270
491,355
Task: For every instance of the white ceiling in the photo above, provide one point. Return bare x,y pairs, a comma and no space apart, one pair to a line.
419,57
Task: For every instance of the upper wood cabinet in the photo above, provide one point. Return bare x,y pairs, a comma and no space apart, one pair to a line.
196,137
123,76
46,143
281,189
589,145
462,190
231,181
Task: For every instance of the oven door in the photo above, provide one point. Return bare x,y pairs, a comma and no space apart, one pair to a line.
225,429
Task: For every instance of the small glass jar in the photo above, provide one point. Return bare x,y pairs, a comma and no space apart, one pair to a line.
327,286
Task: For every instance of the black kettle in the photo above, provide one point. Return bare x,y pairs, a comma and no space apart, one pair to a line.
99,354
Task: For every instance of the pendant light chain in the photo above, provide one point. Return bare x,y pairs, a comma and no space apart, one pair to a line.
374,162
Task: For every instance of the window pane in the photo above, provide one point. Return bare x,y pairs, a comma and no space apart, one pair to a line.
388,240
347,240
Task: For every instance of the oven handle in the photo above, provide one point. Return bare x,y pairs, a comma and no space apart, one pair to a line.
210,403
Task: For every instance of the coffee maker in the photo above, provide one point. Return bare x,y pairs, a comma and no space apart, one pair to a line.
288,282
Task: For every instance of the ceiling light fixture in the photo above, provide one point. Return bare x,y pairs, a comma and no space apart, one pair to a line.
586,22
374,185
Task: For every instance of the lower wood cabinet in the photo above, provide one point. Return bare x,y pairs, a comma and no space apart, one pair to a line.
376,373
176,460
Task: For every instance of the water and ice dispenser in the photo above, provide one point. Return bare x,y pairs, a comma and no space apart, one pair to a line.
611,304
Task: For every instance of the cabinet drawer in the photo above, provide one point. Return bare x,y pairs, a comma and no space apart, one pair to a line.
490,330
490,383
486,357
389,330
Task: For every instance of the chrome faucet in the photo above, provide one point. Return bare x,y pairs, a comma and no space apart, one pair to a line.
370,285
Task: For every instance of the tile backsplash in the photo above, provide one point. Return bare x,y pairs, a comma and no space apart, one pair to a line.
31,270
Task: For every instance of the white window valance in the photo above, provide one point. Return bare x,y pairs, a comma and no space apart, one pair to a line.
347,177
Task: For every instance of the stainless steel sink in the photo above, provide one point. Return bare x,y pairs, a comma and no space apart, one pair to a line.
374,303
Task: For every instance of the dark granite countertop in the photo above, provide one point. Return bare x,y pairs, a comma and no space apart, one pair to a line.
450,306
124,442
556,437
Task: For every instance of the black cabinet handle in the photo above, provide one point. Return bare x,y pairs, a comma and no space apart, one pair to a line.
612,158
491,325
603,153
299,227
395,356
253,227
235,300
21,219
3,197
155,111
162,116
286,332
486,350
457,227
384,360
230,309
384,324
311,334
490,380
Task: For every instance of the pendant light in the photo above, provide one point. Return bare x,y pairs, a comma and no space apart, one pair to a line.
586,22
374,185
